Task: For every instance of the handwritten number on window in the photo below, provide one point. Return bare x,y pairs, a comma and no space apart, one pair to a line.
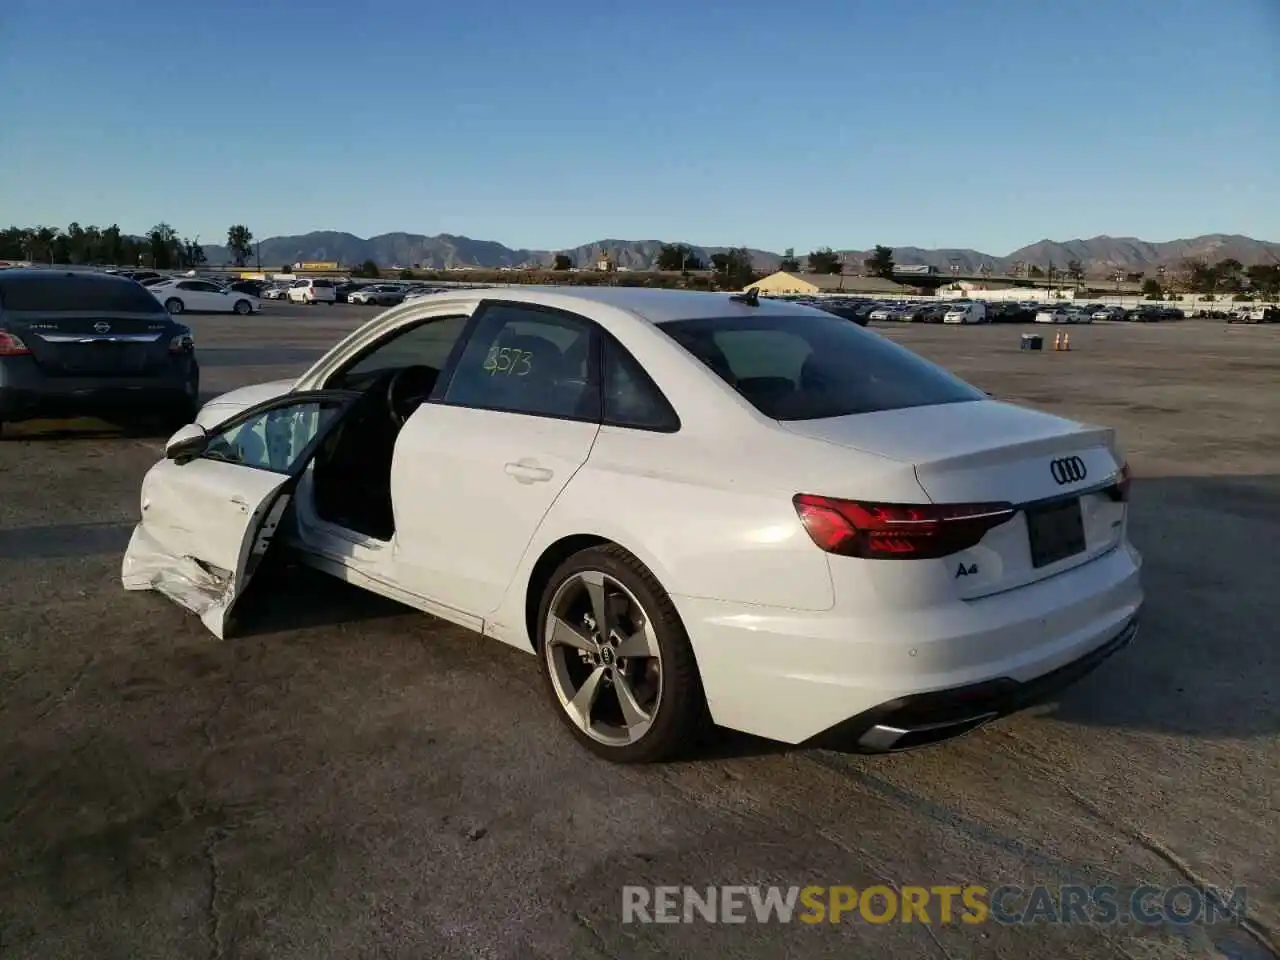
511,361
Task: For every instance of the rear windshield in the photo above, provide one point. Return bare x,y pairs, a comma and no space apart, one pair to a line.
806,367
63,294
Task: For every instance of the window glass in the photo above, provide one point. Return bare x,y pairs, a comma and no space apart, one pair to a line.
425,345
275,438
527,360
805,367
631,398
60,293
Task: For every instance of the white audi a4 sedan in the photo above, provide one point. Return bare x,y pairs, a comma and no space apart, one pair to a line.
688,506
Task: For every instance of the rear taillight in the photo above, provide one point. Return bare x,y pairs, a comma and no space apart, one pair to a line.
11,345
1120,490
897,531
182,343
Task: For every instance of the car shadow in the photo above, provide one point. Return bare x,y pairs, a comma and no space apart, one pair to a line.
1205,661
287,596
47,430
57,541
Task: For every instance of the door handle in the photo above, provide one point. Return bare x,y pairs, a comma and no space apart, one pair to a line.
525,472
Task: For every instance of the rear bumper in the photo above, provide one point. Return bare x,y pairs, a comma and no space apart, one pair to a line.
796,676
924,718
27,393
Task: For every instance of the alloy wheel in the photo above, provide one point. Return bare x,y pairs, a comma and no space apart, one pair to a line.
603,658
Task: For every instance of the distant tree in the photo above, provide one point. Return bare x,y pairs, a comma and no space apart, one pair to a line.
77,248
1135,276
677,256
1199,277
162,246
193,254
239,244
1229,273
789,263
406,274
1034,271
113,247
1152,290
1264,279
1075,270
562,262
880,263
38,244
286,268
824,260
367,269
60,250
733,269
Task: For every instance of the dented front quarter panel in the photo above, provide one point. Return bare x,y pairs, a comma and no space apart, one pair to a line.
206,592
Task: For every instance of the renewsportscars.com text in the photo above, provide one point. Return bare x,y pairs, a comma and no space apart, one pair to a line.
942,904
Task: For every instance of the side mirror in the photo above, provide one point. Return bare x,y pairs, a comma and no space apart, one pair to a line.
188,442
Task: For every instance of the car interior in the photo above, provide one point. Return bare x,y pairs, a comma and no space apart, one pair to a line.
351,476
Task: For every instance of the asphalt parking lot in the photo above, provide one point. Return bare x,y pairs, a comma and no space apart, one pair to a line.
353,779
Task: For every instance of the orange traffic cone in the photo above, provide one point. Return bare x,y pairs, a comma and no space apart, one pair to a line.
1057,340
1066,341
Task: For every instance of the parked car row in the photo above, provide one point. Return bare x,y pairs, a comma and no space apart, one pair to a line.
966,311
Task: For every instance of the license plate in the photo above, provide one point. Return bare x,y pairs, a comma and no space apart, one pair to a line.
1056,531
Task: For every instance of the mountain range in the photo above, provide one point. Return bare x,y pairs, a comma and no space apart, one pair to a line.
1099,255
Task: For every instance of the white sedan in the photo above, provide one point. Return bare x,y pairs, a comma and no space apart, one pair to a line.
1053,315
688,506
181,294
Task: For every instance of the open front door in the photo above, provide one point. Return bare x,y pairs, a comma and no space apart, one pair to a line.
210,514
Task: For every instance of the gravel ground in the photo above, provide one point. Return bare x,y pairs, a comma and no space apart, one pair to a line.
354,779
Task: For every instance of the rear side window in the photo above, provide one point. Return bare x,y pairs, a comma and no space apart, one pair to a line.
631,398
323,283
808,367
74,294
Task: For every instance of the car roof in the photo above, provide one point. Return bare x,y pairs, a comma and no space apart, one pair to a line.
650,304
24,274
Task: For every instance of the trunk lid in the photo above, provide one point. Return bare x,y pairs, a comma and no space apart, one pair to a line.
94,343
1060,474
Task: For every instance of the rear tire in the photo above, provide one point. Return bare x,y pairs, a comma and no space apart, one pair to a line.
174,306
642,657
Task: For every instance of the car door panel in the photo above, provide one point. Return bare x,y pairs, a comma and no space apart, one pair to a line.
207,522
476,469
469,489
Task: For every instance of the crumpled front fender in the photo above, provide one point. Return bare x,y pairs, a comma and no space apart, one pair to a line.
208,593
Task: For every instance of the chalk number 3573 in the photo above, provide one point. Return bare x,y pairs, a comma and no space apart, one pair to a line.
511,361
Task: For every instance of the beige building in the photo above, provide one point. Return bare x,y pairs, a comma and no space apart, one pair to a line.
811,283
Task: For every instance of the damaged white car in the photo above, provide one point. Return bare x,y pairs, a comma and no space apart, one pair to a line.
687,505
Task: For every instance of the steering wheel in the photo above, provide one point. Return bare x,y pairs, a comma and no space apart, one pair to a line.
407,389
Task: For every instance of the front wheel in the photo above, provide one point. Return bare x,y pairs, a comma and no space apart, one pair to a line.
618,664
243,307
173,305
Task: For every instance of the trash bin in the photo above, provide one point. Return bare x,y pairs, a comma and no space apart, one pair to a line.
1032,341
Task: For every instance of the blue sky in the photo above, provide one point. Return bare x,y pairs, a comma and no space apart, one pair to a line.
976,123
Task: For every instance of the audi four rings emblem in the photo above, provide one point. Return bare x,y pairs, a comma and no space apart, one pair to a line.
1068,470
102,327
